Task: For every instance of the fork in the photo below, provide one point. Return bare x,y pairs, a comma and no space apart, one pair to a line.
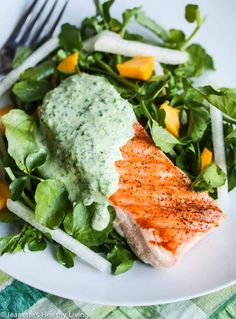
27,32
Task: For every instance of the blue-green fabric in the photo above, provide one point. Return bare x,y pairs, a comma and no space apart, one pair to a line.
18,300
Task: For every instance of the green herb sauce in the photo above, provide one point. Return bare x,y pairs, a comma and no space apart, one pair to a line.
88,122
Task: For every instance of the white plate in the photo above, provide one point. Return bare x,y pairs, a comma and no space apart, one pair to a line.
211,264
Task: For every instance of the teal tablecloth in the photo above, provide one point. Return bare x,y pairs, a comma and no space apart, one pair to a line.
18,300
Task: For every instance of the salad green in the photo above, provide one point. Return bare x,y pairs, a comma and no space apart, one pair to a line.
28,160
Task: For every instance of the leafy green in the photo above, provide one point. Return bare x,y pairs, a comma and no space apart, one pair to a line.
17,242
209,179
31,90
21,131
39,72
151,25
90,27
231,136
192,13
37,244
64,257
21,55
70,37
224,99
162,138
121,259
198,119
199,61
230,149
17,187
198,115
176,38
105,12
51,203
77,223
36,159
128,15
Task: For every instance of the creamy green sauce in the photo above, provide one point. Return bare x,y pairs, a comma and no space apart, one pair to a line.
86,121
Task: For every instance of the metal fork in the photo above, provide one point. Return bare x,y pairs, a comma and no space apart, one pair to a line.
28,31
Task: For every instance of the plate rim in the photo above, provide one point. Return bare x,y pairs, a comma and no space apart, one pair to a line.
127,304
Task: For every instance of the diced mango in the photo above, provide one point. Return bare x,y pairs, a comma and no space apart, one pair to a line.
69,64
139,68
4,111
206,158
4,194
172,119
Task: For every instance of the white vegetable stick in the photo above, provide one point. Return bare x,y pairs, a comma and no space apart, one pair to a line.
217,135
31,61
158,68
89,44
106,42
219,147
61,237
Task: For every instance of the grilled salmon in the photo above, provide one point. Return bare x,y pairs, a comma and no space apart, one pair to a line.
157,212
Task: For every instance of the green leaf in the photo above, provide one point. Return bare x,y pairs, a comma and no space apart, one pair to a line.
51,203
151,25
198,115
152,89
70,37
37,244
224,99
199,62
39,72
17,187
21,131
209,179
76,219
121,259
114,25
31,90
192,13
176,38
106,11
77,223
162,138
36,159
17,242
21,55
231,136
64,257
232,177
128,15
198,119
90,27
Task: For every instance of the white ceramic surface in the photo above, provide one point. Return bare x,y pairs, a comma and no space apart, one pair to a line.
211,264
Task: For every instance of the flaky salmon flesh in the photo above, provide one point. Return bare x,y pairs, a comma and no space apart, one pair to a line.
157,212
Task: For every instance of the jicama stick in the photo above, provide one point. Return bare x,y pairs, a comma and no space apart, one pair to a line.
61,237
31,61
108,42
219,147
158,68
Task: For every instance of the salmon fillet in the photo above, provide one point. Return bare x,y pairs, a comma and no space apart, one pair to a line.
157,212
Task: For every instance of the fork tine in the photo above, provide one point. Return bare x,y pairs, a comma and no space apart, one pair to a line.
22,21
50,33
36,37
27,32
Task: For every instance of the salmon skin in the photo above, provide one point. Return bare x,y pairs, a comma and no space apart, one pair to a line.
157,212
